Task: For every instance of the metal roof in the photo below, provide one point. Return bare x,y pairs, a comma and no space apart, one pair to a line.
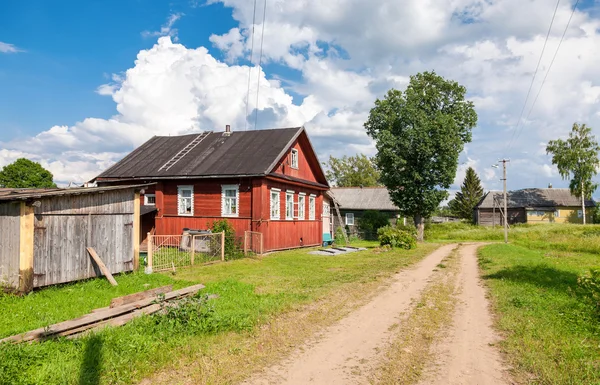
363,198
8,194
534,198
239,153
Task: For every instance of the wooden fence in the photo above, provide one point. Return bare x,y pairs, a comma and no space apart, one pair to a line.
175,251
253,243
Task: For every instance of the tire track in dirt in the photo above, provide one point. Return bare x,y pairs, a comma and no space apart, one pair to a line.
351,347
467,354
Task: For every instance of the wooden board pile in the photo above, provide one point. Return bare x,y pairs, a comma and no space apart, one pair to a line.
120,311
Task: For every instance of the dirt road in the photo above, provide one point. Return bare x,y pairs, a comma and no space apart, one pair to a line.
349,351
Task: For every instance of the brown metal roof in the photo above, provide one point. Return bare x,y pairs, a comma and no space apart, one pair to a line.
27,193
363,198
534,198
241,153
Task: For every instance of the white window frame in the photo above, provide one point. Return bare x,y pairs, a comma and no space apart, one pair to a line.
294,155
579,214
556,213
277,215
301,206
180,197
312,207
289,205
146,202
224,198
349,219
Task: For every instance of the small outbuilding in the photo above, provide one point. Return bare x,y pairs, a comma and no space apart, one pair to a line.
44,234
532,205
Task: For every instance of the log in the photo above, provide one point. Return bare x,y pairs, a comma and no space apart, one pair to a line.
95,318
102,266
120,301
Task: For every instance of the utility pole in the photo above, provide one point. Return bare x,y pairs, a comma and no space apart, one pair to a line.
504,161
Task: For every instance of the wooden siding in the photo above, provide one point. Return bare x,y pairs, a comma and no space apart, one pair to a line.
173,225
307,167
487,217
565,215
9,243
65,226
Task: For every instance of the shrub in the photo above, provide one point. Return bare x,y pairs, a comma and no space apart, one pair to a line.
339,236
371,221
233,246
393,237
591,286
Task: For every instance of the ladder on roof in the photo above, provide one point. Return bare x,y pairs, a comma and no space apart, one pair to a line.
184,151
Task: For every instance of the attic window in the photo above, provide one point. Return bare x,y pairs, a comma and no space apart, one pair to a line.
294,158
185,200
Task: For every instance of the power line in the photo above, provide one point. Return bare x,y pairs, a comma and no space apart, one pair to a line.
262,37
551,63
250,66
533,78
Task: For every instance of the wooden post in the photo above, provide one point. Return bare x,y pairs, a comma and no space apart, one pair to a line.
223,246
136,231
193,249
150,251
26,248
245,243
261,243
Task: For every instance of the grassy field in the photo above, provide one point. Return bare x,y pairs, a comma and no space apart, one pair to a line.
551,326
252,292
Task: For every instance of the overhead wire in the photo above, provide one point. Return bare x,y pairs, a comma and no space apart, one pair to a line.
533,78
551,63
250,65
262,37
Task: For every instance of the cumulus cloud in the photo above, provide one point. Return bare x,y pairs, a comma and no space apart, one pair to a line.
348,53
9,48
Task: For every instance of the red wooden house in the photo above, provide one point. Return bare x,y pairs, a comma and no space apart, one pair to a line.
268,181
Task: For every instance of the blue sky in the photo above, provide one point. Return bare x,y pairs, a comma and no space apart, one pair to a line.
74,97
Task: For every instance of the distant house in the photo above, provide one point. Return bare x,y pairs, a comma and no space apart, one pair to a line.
267,181
532,205
354,201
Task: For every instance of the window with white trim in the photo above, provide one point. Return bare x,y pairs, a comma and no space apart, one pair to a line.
294,156
311,207
326,209
185,200
301,206
289,205
350,219
150,199
579,214
230,199
275,203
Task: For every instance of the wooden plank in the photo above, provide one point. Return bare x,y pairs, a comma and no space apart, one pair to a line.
94,318
102,266
26,248
136,231
127,299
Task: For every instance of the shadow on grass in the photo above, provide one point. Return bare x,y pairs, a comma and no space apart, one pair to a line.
91,366
540,275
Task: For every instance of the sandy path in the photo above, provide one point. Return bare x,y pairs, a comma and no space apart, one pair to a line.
345,352
467,355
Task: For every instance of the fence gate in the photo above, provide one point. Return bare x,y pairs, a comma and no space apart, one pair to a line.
171,251
253,243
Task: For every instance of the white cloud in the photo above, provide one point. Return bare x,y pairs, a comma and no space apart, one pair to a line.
167,28
9,48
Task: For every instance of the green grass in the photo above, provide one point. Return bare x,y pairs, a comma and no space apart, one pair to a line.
552,329
251,292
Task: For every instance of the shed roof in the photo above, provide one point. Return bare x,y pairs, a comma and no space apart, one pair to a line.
239,153
8,194
363,198
534,198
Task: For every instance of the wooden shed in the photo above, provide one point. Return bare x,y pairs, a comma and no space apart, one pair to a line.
44,234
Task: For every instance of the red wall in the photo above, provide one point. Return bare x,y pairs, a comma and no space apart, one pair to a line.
308,165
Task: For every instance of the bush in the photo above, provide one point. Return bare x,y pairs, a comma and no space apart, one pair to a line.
339,236
393,237
591,286
371,221
233,246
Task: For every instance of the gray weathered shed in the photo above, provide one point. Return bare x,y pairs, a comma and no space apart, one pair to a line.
44,233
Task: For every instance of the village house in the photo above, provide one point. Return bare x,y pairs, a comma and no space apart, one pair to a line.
267,181
532,205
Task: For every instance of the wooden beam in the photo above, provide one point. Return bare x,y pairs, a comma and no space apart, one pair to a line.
26,234
127,299
223,246
102,266
136,231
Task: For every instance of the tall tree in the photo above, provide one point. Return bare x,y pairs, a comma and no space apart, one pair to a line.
352,171
469,195
577,159
419,134
23,173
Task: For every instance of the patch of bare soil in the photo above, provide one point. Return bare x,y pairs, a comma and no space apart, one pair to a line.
346,352
467,354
